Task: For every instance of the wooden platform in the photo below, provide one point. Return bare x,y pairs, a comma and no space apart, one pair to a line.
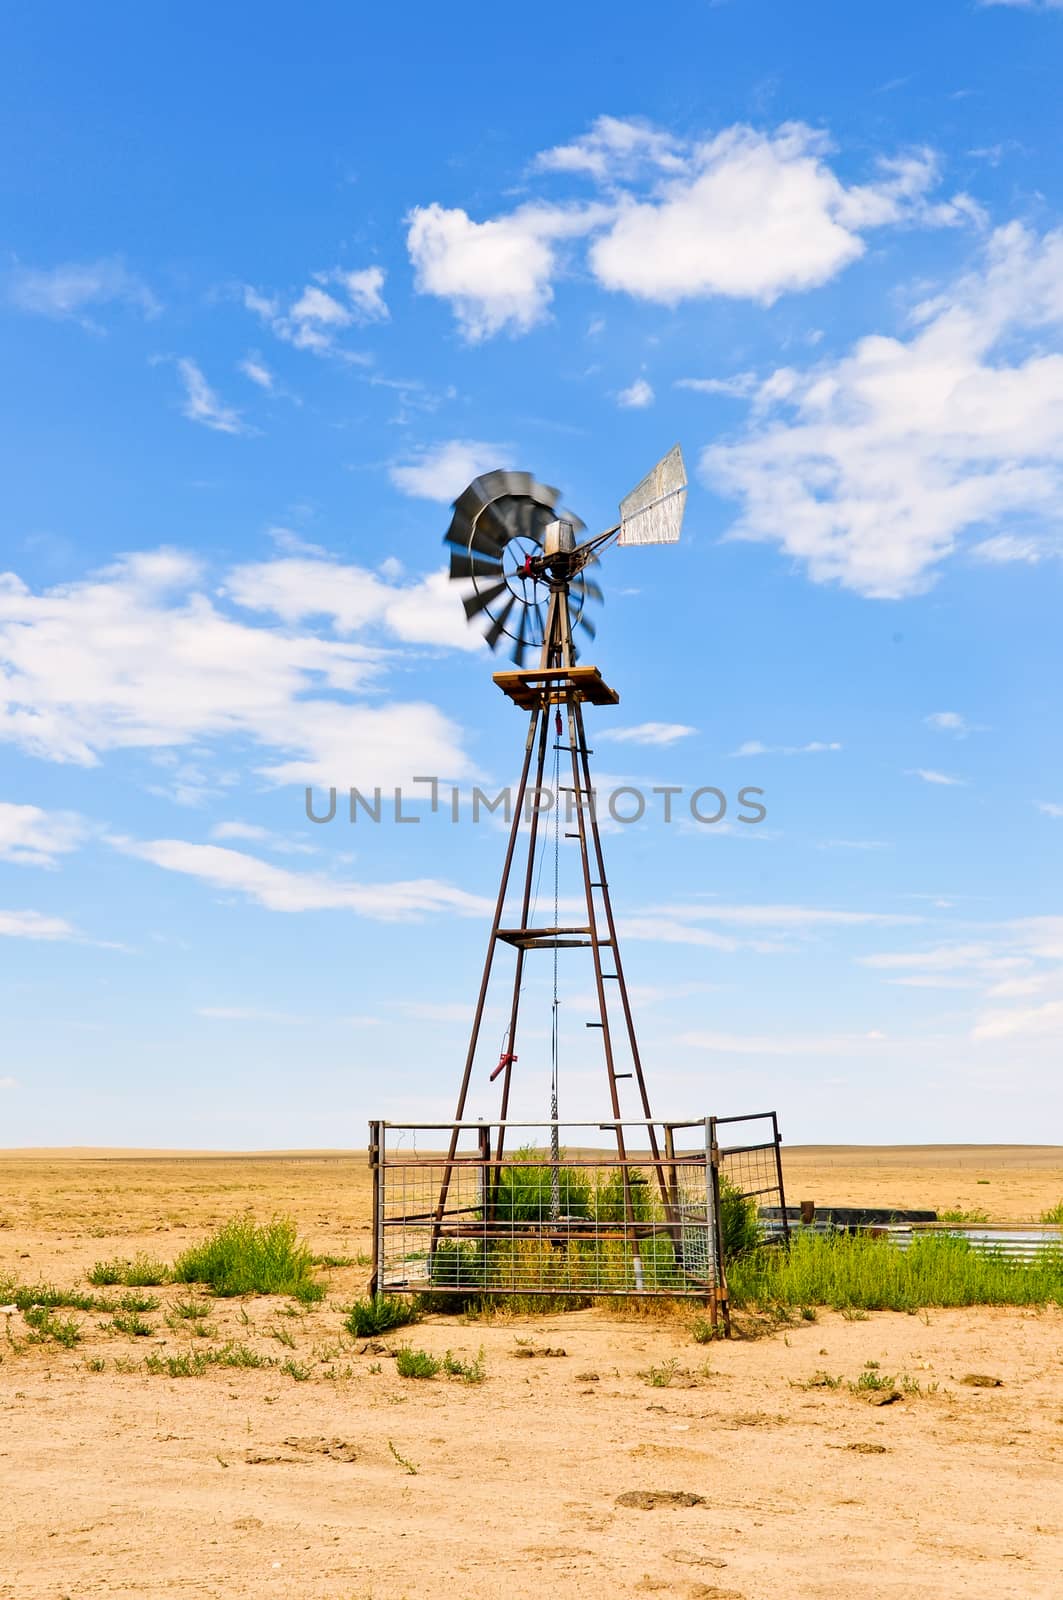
538,686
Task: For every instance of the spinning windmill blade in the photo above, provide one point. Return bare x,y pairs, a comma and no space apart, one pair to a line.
509,540
496,535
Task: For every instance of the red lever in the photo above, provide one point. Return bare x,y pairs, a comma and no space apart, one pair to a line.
504,1060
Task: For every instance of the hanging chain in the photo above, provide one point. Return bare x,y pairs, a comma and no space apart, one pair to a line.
555,1143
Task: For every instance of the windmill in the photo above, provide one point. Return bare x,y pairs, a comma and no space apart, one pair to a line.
527,574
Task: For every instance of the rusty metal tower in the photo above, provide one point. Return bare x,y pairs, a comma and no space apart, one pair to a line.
530,585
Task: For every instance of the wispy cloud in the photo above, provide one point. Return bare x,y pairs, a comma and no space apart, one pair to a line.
280,889
739,387
255,368
649,733
281,1018
34,925
203,405
147,655
754,747
72,290
784,1044
31,837
324,309
929,775
1050,808
953,722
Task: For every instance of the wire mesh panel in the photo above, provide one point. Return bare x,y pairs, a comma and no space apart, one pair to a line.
749,1161
505,1216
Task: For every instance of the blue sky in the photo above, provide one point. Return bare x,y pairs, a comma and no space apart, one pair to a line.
271,294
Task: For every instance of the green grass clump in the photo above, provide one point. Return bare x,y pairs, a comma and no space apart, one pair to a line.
28,1295
379,1315
245,1257
138,1302
739,1222
416,1363
194,1363
859,1273
191,1310
46,1327
142,1272
238,1355
467,1371
963,1216
1054,1213
130,1323
525,1190
189,1364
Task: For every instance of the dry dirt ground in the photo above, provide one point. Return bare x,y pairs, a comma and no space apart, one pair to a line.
351,1483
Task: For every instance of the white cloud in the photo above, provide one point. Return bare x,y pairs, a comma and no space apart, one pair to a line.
34,925
951,722
315,318
1046,1019
441,471
782,916
70,291
637,396
942,958
8,1083
497,275
739,387
138,657
253,833
255,368
870,469
755,215
1050,808
279,889
1026,5
35,838
944,779
754,747
614,147
420,611
1003,548
202,404
365,290
656,929
653,733
746,214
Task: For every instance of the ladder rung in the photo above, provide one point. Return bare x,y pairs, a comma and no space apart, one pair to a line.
617,1075
578,748
596,1024
571,835
614,975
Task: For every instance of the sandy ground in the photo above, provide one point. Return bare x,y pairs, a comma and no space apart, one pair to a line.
256,1483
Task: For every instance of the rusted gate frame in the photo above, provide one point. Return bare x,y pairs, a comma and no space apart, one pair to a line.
626,1231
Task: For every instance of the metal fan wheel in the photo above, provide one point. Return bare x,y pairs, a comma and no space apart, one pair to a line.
498,522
